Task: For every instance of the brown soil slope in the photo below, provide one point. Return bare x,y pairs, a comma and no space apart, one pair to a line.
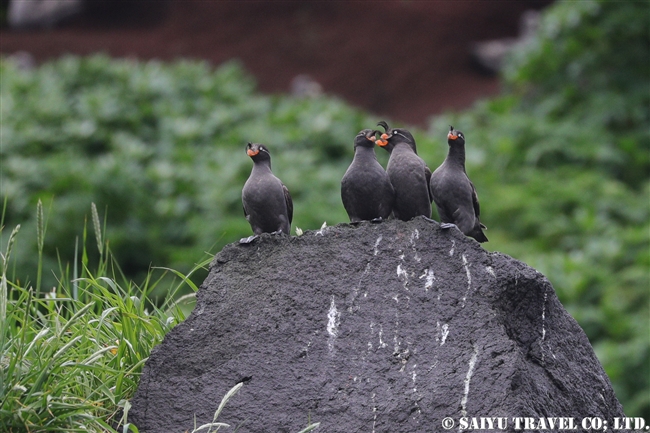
404,59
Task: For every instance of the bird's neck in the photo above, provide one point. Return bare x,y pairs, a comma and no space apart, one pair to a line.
263,166
402,147
456,155
364,153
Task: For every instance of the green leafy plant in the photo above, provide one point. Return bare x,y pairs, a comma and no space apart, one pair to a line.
562,167
162,147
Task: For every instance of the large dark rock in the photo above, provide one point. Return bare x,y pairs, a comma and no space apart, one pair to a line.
385,327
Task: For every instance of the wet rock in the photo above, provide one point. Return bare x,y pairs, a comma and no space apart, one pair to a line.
388,327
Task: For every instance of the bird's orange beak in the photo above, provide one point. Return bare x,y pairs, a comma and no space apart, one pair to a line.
452,136
251,152
381,142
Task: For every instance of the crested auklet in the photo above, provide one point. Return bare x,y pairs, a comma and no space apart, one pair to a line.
453,192
407,172
366,191
267,203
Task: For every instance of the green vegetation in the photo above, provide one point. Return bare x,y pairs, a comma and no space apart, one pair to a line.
161,149
72,358
568,175
561,163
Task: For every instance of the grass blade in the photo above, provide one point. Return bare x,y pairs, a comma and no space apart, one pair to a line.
225,399
40,242
97,228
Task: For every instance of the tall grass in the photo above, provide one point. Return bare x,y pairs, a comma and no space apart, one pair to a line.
70,360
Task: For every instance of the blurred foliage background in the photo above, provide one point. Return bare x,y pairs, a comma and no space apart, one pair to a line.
561,163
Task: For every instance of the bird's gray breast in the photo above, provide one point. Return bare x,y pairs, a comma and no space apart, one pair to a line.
452,194
264,201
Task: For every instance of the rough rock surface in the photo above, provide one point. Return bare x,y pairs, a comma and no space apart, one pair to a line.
386,327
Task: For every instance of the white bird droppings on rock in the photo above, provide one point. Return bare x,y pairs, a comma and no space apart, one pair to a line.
333,322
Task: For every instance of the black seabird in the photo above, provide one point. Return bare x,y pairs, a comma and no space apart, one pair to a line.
366,191
453,192
267,203
408,174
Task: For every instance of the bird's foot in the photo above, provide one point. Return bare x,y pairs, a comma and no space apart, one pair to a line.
431,220
445,226
377,220
248,240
